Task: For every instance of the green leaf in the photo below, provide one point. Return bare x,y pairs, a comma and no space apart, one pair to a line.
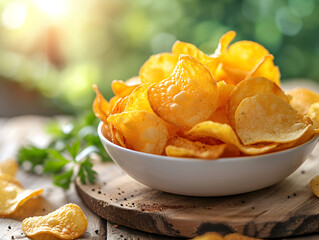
55,163
64,179
74,149
34,155
86,169
54,154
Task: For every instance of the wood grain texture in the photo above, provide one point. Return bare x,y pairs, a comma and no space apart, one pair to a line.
285,209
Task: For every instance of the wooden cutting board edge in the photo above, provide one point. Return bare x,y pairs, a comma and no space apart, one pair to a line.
159,223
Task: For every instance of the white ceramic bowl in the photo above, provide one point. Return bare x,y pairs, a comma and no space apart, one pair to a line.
197,177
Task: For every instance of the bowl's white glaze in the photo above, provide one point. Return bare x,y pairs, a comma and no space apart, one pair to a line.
197,177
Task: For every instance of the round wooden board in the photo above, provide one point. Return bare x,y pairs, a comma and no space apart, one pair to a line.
285,209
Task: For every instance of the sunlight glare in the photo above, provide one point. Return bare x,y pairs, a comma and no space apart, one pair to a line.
14,15
55,8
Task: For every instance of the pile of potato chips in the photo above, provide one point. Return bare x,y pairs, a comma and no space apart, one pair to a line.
12,193
67,222
190,104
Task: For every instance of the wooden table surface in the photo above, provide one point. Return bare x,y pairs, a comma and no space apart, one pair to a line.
22,130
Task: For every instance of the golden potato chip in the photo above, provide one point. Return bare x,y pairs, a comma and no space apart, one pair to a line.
188,96
314,184
220,116
117,137
209,236
231,151
136,80
138,99
158,67
224,90
181,147
113,101
220,75
224,42
106,131
313,113
9,166
189,49
255,71
67,222
101,107
249,88
268,118
120,105
121,89
243,56
143,131
226,134
10,178
13,196
302,98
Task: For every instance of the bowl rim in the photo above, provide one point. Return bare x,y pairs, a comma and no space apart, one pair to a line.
199,160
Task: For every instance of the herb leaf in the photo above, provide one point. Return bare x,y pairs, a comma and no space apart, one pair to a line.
67,156
64,179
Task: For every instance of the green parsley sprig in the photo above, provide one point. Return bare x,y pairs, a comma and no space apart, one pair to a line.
68,154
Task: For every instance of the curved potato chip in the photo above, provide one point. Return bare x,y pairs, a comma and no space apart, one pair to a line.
143,131
136,80
9,166
188,96
180,47
231,151
302,98
220,116
181,147
224,42
313,113
249,88
268,118
120,105
67,222
226,134
121,89
224,90
158,67
138,99
265,68
10,178
243,56
13,196
101,107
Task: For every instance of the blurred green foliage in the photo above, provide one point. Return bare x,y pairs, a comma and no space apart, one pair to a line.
62,47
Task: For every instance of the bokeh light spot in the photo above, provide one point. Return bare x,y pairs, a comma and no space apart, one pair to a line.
55,8
288,23
14,15
303,8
